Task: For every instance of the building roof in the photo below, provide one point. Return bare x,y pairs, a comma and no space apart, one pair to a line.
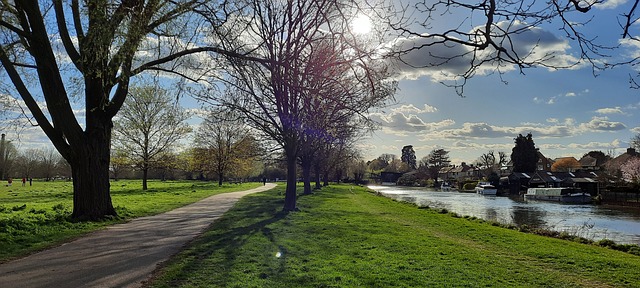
588,161
615,163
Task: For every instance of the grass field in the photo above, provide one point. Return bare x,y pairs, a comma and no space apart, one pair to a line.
345,236
35,217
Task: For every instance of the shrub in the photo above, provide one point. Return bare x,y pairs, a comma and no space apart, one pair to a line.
407,180
470,185
18,208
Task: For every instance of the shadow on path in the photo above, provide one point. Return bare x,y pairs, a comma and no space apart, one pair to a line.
123,255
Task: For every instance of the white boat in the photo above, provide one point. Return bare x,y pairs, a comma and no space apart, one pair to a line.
485,188
564,195
445,186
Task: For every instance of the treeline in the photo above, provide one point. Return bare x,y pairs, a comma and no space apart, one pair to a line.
43,163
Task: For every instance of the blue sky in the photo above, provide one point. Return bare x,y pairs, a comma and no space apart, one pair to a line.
568,112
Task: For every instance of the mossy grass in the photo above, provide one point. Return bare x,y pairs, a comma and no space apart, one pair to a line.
38,216
346,236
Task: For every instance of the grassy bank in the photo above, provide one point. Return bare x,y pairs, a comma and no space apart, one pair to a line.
347,237
34,217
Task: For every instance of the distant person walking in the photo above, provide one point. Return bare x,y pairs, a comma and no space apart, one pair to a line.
264,181
9,181
30,181
24,181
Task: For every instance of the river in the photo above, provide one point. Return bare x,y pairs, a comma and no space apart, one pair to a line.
585,220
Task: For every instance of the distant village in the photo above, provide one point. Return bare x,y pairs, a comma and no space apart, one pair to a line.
595,173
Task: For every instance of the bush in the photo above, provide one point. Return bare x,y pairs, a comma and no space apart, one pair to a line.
469,185
407,180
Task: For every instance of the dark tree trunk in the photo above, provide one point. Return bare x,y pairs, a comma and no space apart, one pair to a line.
90,170
145,175
317,176
306,176
220,179
325,178
290,193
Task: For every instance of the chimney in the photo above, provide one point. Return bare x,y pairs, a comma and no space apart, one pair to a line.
631,151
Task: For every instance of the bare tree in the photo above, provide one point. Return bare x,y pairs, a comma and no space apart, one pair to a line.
222,142
280,79
28,162
496,36
148,126
90,49
49,159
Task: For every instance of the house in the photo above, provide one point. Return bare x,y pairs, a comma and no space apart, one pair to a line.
445,173
518,181
589,163
613,165
586,181
544,163
544,179
462,172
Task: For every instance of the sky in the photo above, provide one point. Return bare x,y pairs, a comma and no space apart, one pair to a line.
569,112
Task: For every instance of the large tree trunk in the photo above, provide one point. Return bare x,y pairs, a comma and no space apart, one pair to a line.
290,193
90,170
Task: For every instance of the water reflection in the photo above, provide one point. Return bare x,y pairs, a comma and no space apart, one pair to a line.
589,221
530,216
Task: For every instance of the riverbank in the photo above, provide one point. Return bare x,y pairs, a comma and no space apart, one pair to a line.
593,222
346,236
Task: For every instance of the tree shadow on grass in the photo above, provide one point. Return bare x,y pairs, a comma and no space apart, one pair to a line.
215,253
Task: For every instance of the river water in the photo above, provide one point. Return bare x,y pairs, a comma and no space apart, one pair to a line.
585,220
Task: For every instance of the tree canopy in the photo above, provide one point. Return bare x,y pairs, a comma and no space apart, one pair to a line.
409,156
524,154
149,125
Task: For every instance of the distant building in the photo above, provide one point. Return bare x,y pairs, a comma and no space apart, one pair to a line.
517,182
544,163
389,178
613,165
589,163
586,181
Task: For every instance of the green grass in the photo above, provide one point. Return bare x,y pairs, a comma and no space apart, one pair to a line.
36,217
347,237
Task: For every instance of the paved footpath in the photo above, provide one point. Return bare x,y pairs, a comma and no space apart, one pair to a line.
123,255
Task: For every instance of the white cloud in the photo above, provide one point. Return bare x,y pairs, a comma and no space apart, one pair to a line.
599,124
413,109
399,123
596,145
635,130
425,56
570,94
484,130
609,4
614,110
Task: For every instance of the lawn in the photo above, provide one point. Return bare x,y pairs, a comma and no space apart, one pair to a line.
36,217
346,236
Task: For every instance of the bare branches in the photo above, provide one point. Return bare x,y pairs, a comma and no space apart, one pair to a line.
467,39
630,20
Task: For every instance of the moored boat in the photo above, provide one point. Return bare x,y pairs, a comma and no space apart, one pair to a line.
564,195
485,188
445,186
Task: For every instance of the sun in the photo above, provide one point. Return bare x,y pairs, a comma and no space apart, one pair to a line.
361,24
